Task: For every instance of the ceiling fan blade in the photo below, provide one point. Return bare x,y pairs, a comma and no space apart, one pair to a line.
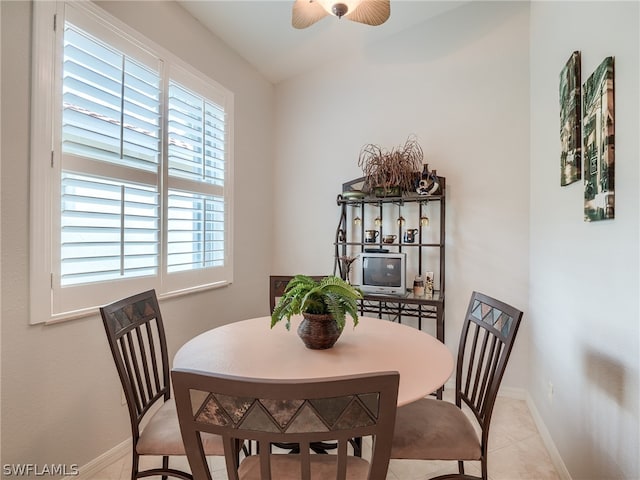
371,12
306,13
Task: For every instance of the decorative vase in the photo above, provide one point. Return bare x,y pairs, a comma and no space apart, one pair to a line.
435,183
318,332
429,183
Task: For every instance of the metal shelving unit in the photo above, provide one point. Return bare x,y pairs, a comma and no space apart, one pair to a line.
387,216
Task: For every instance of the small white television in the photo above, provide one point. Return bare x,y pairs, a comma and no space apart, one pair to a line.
383,273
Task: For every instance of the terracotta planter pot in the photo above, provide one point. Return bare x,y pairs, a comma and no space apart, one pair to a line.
318,332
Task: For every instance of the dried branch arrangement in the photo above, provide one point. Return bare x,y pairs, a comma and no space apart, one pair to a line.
394,168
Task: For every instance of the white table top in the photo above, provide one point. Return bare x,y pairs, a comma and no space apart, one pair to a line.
250,348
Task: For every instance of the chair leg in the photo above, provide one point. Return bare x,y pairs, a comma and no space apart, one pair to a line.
135,465
461,467
165,466
483,467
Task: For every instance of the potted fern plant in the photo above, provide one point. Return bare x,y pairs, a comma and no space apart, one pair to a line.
324,306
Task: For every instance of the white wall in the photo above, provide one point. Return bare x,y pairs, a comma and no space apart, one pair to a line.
59,384
483,103
459,82
584,315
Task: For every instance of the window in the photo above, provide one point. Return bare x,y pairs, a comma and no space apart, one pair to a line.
131,167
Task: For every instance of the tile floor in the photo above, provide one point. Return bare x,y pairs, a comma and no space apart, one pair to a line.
516,452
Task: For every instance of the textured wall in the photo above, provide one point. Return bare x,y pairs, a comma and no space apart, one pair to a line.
585,276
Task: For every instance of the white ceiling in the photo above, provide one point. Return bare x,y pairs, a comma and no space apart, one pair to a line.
261,32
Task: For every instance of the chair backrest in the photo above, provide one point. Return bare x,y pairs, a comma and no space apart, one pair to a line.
286,411
277,284
136,337
487,337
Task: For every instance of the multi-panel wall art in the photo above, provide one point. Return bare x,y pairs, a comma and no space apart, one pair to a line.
570,121
598,142
587,135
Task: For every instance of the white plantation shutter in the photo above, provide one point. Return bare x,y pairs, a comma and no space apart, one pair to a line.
106,232
111,113
195,231
196,156
109,230
198,197
196,137
141,194
111,104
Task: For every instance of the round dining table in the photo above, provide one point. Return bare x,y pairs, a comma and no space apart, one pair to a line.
250,348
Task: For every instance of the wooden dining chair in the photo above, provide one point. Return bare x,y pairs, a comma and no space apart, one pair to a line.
137,340
432,429
290,411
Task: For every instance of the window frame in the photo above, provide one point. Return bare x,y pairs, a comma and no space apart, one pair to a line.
49,303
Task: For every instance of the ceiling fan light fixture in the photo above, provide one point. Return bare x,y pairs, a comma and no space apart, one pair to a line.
369,12
341,8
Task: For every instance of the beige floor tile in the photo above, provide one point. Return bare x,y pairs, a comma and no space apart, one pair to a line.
115,471
511,422
524,460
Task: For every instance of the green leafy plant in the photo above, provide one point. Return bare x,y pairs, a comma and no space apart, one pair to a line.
331,295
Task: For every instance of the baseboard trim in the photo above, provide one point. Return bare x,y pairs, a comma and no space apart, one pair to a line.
89,470
546,439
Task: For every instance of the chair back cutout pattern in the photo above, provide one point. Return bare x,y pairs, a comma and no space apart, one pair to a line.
486,341
302,411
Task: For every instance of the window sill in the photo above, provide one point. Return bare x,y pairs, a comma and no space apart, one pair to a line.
89,312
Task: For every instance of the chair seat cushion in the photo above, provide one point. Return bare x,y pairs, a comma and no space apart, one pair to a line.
162,435
287,467
432,429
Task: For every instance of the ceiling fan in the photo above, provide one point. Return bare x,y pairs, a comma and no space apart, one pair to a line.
370,12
